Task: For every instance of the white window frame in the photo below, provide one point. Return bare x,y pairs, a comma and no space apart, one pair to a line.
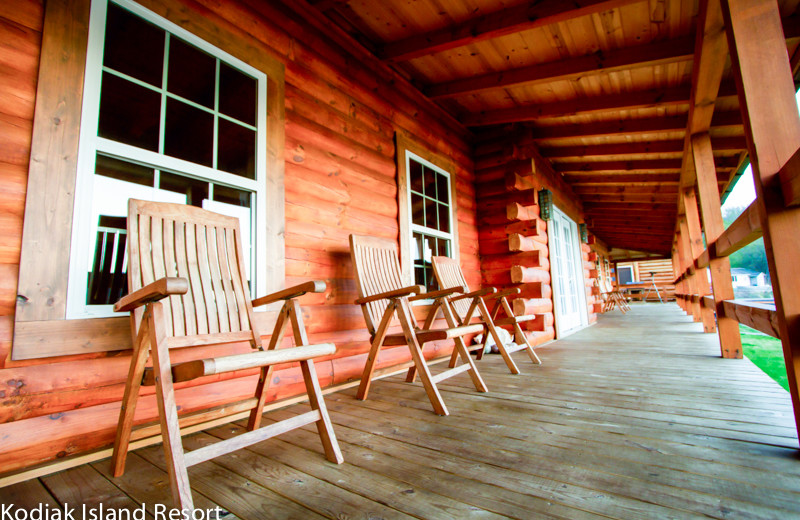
91,144
423,229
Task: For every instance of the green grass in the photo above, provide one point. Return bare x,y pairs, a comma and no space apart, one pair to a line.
766,353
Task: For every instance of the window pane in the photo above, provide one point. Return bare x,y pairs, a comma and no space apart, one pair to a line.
442,192
124,171
237,149
232,196
416,244
415,175
196,191
133,46
129,113
417,215
444,218
419,276
431,219
430,183
237,95
189,133
192,73
443,247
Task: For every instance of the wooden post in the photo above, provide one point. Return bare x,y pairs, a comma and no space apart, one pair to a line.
696,247
769,112
730,341
691,278
686,286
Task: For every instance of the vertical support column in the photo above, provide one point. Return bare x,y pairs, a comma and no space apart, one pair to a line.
769,112
696,246
691,279
730,341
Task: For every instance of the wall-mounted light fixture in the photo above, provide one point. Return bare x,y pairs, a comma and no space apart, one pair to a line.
584,230
545,204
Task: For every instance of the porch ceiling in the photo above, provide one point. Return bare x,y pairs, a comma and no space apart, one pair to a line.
601,88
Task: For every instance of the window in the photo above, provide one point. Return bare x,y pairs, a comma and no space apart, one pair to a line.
624,274
56,198
427,211
166,117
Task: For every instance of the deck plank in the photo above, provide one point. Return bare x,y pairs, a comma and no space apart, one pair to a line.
634,417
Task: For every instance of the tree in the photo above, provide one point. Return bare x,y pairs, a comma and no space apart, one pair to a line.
752,256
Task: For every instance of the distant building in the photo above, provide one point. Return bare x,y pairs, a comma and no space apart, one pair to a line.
747,278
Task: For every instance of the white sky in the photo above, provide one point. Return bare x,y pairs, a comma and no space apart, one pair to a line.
745,192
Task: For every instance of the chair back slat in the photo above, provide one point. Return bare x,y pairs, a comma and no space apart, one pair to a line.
170,264
377,270
205,249
448,273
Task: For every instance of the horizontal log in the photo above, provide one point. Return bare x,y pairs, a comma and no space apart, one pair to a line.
516,211
517,242
743,231
533,227
526,306
759,316
520,274
719,144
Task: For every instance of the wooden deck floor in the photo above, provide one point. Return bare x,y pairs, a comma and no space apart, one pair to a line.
635,417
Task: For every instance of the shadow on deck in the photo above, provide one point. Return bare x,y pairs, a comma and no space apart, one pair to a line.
635,417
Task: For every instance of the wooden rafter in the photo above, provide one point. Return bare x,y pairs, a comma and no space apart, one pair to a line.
647,165
720,144
585,105
493,25
626,127
658,53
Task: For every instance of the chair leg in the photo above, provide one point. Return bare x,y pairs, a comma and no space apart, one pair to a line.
141,350
254,421
168,413
520,335
512,367
324,426
377,341
477,380
405,314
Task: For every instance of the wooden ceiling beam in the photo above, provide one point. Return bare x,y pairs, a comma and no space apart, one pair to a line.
658,53
599,62
658,98
622,179
645,165
625,189
732,118
494,25
632,206
608,198
720,144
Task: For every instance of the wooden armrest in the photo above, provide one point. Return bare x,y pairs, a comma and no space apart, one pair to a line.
505,292
153,292
474,294
405,291
291,292
437,294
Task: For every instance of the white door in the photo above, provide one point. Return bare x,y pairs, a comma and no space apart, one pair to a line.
566,273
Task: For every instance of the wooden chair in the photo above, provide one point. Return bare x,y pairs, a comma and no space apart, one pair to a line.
382,296
612,297
188,288
448,273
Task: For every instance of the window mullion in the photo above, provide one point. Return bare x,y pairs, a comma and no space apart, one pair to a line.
162,127
215,144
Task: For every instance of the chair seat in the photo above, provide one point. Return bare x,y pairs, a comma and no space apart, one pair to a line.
425,336
514,319
219,365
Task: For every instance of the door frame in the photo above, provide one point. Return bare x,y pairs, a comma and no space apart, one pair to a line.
554,270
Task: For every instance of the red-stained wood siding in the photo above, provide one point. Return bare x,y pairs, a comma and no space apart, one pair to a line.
341,117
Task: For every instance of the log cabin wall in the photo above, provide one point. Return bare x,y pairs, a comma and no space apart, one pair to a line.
340,176
514,240
663,276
